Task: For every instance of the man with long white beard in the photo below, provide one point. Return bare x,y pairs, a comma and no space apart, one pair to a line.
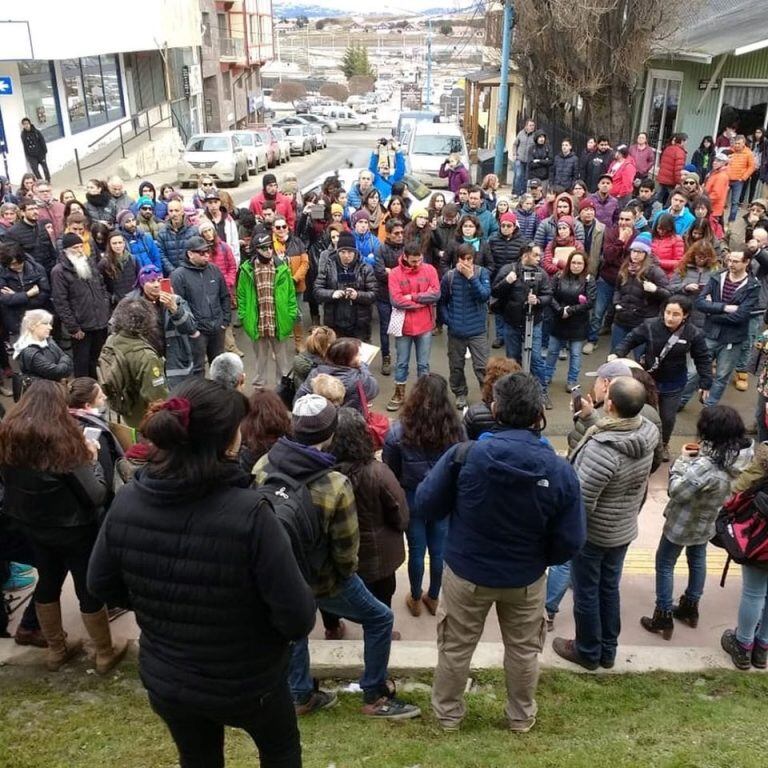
82,304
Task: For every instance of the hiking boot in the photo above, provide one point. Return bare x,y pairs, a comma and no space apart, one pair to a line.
397,399
687,611
607,663
413,604
546,400
740,656
588,348
665,452
387,708
566,649
660,623
316,701
59,650
109,652
430,602
32,637
461,402
337,633
741,381
497,343
759,656
386,365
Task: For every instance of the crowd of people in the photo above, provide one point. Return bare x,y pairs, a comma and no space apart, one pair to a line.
225,520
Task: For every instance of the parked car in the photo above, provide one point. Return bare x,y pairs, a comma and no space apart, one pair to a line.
420,193
347,118
271,144
255,149
328,126
301,139
429,145
218,155
319,140
283,144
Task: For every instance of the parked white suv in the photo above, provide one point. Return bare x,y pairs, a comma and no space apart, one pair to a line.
255,150
218,155
347,118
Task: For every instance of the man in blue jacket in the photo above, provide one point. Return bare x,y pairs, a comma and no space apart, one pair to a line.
515,508
464,294
477,207
141,245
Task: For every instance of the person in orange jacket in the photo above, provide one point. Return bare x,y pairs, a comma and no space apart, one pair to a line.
717,184
740,169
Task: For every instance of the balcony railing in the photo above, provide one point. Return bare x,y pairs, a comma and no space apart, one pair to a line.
231,48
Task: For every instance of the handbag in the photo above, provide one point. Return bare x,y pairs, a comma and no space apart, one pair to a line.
378,423
396,322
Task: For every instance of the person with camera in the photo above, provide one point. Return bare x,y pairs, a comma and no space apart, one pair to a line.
346,287
522,291
668,341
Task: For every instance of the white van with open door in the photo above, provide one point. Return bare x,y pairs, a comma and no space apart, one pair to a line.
429,145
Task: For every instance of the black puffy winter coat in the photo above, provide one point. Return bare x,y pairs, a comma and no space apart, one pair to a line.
13,306
539,159
579,298
504,250
45,362
214,584
633,303
82,305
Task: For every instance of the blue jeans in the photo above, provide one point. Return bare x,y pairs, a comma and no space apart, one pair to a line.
513,342
425,535
500,325
574,359
385,312
755,326
558,581
596,573
618,334
753,608
603,300
736,187
403,344
521,178
666,557
356,603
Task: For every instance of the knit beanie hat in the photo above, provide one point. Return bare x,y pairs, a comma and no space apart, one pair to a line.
149,274
145,201
508,217
336,208
314,420
267,179
416,212
586,203
123,215
70,239
360,215
346,242
690,175
641,243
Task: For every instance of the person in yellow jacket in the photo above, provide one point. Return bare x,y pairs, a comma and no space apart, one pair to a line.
740,169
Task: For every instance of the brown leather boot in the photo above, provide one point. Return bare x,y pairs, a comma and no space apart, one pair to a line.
397,399
108,652
59,650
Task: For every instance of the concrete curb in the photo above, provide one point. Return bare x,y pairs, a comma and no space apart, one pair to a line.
344,659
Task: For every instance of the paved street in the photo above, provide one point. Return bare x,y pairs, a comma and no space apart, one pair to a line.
718,606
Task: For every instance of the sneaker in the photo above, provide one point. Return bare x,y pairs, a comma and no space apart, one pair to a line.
588,348
607,663
390,709
21,569
461,402
316,701
337,633
497,343
566,649
562,355
17,583
522,726
547,402
759,656
740,656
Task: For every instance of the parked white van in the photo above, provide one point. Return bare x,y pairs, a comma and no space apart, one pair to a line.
347,118
429,145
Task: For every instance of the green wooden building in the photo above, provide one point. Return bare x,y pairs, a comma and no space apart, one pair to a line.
714,73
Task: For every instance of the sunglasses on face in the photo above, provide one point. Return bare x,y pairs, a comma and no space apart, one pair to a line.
207,184
147,208
280,226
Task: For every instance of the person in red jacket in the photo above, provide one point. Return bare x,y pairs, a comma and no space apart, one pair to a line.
283,203
414,290
552,263
623,171
666,245
671,165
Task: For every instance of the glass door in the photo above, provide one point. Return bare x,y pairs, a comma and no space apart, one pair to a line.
661,103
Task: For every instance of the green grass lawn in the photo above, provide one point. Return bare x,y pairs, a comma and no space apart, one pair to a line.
73,720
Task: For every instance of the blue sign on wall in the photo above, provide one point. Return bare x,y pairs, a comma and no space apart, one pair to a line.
6,85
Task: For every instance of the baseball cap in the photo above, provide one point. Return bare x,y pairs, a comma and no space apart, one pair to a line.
611,370
197,243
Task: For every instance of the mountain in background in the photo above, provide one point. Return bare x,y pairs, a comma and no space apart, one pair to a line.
292,10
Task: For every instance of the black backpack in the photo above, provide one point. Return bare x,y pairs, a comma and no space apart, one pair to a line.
302,520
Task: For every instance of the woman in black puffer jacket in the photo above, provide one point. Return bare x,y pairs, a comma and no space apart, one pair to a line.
40,356
539,157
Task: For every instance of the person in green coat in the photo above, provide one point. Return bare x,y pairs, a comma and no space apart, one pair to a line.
131,371
266,303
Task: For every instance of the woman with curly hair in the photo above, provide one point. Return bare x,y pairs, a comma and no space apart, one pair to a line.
382,509
699,263
267,420
413,446
478,417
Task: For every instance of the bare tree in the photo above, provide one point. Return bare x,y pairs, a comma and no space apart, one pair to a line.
335,91
288,90
359,85
588,54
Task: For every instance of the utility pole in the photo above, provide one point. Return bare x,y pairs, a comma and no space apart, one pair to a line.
429,64
508,21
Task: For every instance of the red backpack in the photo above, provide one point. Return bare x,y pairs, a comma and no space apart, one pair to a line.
741,529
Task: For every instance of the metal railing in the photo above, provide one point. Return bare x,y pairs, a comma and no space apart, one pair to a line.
231,48
131,128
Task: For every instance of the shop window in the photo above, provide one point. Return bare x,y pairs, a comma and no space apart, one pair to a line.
41,103
92,90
